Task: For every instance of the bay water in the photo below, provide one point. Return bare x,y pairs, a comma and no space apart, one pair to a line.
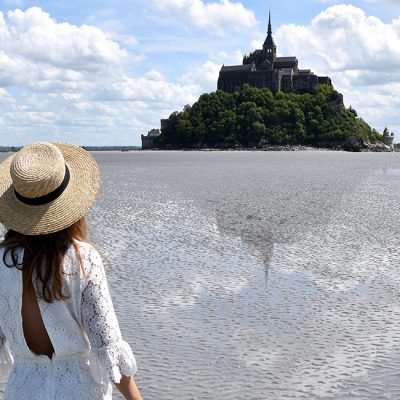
254,275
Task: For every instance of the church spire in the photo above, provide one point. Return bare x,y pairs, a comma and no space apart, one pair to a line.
269,24
269,44
269,41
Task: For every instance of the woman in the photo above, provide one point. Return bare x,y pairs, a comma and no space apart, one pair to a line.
59,336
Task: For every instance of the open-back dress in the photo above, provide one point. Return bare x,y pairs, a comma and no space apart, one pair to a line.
89,351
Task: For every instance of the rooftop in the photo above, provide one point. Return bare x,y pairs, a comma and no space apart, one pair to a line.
154,132
286,59
246,67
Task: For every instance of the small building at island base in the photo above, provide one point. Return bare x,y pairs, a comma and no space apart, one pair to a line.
263,69
387,138
149,139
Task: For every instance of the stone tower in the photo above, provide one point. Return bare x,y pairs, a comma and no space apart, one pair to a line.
269,45
387,138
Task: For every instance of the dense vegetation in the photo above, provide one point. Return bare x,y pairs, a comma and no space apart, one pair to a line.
257,117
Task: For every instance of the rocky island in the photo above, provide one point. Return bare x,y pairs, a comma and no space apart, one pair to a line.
269,103
257,118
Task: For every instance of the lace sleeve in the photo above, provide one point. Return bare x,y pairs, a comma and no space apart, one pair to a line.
6,359
110,356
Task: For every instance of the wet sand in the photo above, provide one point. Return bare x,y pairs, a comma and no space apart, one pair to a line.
255,275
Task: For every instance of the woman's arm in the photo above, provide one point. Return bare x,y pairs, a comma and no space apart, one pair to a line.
110,358
128,388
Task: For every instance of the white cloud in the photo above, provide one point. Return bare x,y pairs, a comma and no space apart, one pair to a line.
145,88
74,80
5,97
361,54
216,16
345,38
233,58
204,77
155,75
256,44
33,34
39,53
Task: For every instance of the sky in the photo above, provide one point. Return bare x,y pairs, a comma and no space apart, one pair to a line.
104,72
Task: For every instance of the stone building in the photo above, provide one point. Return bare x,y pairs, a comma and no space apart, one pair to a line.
148,140
264,69
387,138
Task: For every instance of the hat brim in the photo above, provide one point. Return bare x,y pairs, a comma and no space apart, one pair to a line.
62,212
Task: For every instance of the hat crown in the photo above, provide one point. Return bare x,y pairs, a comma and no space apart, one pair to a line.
37,169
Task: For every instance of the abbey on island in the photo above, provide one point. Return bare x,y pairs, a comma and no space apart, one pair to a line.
264,69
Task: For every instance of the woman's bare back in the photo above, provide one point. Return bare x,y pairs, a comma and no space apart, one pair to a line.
35,332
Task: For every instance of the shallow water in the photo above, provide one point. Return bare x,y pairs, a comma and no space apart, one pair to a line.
252,275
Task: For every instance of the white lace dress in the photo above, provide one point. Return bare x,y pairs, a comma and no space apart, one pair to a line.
89,352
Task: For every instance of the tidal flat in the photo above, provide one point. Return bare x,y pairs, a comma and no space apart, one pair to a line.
254,275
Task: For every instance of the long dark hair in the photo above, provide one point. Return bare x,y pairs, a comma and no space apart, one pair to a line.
43,257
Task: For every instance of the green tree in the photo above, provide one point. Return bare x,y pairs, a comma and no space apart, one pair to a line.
225,119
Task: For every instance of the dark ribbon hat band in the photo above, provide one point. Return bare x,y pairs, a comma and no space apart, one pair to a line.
49,197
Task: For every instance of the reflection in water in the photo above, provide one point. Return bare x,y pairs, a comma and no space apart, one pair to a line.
190,240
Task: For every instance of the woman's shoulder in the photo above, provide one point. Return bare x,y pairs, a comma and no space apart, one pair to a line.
86,249
89,255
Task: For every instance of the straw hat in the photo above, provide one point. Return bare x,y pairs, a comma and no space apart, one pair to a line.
46,187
